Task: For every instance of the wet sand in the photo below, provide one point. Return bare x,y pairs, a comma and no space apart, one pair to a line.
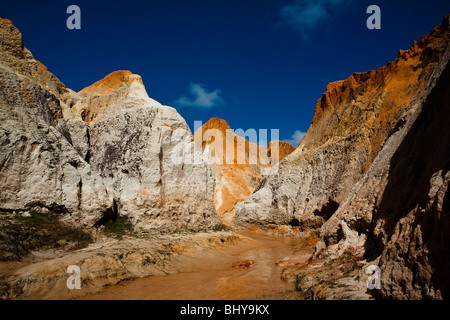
245,271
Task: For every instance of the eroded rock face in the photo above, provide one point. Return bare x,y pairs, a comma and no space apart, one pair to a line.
39,167
108,150
238,165
352,122
373,172
133,147
398,215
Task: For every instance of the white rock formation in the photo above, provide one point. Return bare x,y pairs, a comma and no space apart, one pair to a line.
96,154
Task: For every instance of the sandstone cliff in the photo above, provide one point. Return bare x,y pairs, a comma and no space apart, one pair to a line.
108,150
236,178
352,122
398,215
238,165
373,173
39,167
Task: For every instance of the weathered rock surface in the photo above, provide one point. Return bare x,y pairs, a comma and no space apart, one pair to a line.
373,172
238,165
39,167
343,278
398,215
133,146
352,122
108,150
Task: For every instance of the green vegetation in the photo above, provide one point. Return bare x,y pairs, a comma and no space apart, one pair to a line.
52,229
23,233
119,228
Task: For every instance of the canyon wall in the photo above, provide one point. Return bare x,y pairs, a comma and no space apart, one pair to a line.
352,122
398,215
105,151
238,165
373,173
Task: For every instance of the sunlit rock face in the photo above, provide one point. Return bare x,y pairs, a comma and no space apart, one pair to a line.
398,214
238,165
352,122
107,150
373,172
40,169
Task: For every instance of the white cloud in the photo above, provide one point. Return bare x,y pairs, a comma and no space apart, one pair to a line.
200,97
296,138
305,15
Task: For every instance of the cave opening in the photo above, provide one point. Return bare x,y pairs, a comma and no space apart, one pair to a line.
295,222
327,210
110,214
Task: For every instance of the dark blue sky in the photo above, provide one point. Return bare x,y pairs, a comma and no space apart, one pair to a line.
268,60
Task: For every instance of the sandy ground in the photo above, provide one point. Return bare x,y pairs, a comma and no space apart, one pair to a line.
212,265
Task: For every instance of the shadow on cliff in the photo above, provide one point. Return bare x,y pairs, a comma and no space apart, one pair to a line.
424,152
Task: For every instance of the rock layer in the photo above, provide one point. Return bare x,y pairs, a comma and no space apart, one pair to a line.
373,173
237,164
108,150
352,121
398,215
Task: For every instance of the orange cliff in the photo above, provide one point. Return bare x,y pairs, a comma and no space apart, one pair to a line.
111,83
235,181
353,120
237,175
376,99
284,149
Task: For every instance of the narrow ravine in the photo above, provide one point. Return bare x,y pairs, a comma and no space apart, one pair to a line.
248,270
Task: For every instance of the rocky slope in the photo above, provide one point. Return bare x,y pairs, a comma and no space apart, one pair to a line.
398,215
373,172
352,122
108,150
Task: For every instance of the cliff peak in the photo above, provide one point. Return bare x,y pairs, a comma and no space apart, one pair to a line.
111,83
118,91
216,123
